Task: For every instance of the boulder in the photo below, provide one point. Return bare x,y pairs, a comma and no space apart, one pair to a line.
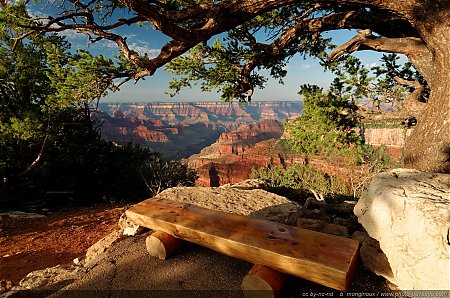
407,212
255,202
98,251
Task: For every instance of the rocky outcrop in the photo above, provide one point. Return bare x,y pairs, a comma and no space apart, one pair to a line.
150,135
252,202
407,212
46,280
392,138
247,135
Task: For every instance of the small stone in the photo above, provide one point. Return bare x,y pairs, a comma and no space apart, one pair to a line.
78,261
322,226
128,227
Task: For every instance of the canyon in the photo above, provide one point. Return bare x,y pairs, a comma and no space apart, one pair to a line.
178,130
222,141
233,156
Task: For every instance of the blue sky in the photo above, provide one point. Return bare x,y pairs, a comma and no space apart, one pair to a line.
153,88
299,72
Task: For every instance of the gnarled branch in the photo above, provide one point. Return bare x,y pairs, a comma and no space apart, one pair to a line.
413,105
414,48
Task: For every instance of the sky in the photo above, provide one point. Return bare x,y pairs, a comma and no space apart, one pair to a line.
154,88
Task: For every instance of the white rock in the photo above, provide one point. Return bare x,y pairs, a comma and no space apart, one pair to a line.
128,227
407,212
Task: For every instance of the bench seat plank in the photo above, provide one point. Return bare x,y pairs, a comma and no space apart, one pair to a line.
325,259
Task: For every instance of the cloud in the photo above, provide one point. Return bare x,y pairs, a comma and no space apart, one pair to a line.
306,66
33,12
134,44
143,47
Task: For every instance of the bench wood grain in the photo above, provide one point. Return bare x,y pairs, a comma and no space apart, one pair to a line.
325,259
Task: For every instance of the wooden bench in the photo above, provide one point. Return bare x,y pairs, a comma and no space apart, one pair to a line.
325,259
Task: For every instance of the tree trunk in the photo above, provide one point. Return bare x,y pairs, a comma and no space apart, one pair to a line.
428,147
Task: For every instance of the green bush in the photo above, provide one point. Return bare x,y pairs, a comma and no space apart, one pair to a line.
79,167
303,178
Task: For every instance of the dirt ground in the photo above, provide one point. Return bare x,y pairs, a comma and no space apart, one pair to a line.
37,243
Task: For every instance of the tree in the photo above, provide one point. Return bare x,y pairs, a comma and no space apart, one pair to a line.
327,124
416,28
43,87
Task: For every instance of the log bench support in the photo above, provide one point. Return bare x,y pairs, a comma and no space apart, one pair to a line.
325,259
162,245
262,281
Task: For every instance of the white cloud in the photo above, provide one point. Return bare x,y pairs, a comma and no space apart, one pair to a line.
34,13
137,45
143,47
306,66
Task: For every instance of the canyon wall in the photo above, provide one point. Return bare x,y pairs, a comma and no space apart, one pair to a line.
233,156
392,138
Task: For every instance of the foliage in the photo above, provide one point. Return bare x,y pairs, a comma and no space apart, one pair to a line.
305,178
50,147
223,64
332,187
329,129
327,124
386,123
159,175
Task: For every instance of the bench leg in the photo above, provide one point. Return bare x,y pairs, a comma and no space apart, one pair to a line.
162,245
262,281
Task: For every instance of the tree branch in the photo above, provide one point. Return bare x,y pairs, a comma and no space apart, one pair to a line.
414,48
341,20
413,105
351,45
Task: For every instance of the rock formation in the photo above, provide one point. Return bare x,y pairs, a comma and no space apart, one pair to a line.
233,156
392,138
179,130
407,212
